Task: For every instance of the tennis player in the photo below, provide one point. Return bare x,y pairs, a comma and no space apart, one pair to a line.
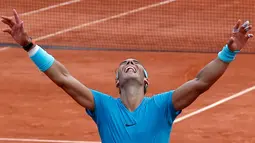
132,118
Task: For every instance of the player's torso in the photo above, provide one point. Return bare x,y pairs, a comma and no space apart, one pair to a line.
145,124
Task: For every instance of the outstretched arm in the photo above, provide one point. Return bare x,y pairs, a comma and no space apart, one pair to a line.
189,91
47,64
79,92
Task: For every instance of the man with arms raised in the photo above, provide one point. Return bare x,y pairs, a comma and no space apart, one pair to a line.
132,118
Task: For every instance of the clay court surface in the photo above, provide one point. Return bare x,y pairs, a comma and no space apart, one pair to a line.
33,107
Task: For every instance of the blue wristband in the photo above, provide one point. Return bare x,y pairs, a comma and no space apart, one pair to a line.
42,59
227,55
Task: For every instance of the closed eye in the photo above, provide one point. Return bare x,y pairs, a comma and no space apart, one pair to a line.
124,62
134,61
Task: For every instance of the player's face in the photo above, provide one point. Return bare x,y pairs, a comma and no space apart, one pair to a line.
130,69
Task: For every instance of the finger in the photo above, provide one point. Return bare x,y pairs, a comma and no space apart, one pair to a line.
237,25
7,23
22,26
248,28
242,28
250,36
8,31
9,20
230,41
17,19
246,23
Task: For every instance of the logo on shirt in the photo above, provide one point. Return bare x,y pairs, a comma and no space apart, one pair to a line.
128,125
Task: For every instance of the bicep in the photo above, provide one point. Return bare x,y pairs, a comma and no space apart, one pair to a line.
79,92
184,95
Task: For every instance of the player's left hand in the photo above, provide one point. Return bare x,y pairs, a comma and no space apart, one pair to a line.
240,36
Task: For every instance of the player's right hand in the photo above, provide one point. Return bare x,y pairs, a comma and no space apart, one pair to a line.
16,29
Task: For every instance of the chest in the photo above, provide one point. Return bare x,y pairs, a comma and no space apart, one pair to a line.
144,123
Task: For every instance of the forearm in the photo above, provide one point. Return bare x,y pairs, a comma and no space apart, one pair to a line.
212,72
58,73
51,67
61,77
189,91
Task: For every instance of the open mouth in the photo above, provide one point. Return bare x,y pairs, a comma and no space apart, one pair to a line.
130,68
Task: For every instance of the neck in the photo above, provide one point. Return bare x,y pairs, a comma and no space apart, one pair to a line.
131,96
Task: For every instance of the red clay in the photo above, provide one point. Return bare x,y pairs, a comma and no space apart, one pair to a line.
178,26
33,107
